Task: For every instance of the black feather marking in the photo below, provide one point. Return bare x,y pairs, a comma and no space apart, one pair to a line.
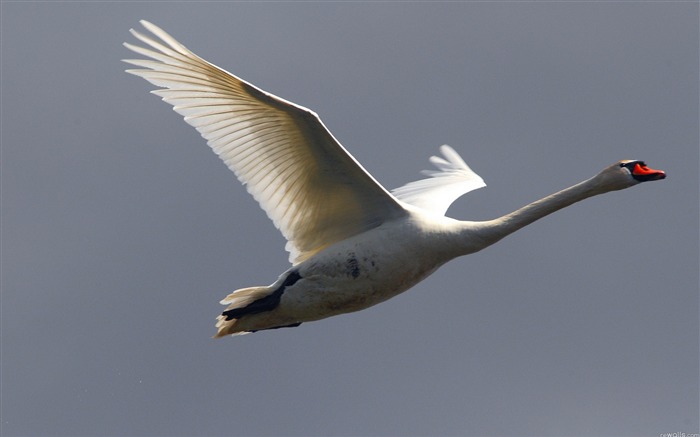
353,267
267,303
293,325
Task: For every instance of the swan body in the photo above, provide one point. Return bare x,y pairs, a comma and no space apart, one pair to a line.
352,243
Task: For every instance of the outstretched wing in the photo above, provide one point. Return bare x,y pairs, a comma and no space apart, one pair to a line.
314,191
436,193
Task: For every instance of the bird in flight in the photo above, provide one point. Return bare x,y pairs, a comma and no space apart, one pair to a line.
352,244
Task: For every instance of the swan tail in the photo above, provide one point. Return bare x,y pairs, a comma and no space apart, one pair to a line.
243,301
254,300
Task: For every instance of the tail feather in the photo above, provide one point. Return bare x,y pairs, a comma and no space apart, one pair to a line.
227,322
255,300
245,296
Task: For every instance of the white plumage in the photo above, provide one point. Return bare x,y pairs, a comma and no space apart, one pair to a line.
436,193
352,244
315,193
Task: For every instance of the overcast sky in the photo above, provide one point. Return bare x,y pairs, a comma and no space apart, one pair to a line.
121,230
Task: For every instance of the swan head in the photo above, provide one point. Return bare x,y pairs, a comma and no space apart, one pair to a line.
628,172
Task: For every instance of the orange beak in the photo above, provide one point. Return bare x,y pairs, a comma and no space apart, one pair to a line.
644,173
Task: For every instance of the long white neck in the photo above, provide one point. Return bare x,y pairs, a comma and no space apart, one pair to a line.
474,236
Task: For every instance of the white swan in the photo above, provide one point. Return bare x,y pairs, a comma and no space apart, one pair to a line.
352,244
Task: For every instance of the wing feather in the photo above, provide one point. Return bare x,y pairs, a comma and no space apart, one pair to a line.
314,191
436,193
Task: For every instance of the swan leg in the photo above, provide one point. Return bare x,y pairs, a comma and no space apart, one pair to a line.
293,325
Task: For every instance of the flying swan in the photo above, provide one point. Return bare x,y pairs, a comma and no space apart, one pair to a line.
352,244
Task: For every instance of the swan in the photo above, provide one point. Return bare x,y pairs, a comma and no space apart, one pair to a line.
352,244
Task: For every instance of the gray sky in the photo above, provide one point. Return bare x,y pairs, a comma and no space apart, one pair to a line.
121,230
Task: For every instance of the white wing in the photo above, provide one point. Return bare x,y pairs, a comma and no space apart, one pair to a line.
436,193
308,184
